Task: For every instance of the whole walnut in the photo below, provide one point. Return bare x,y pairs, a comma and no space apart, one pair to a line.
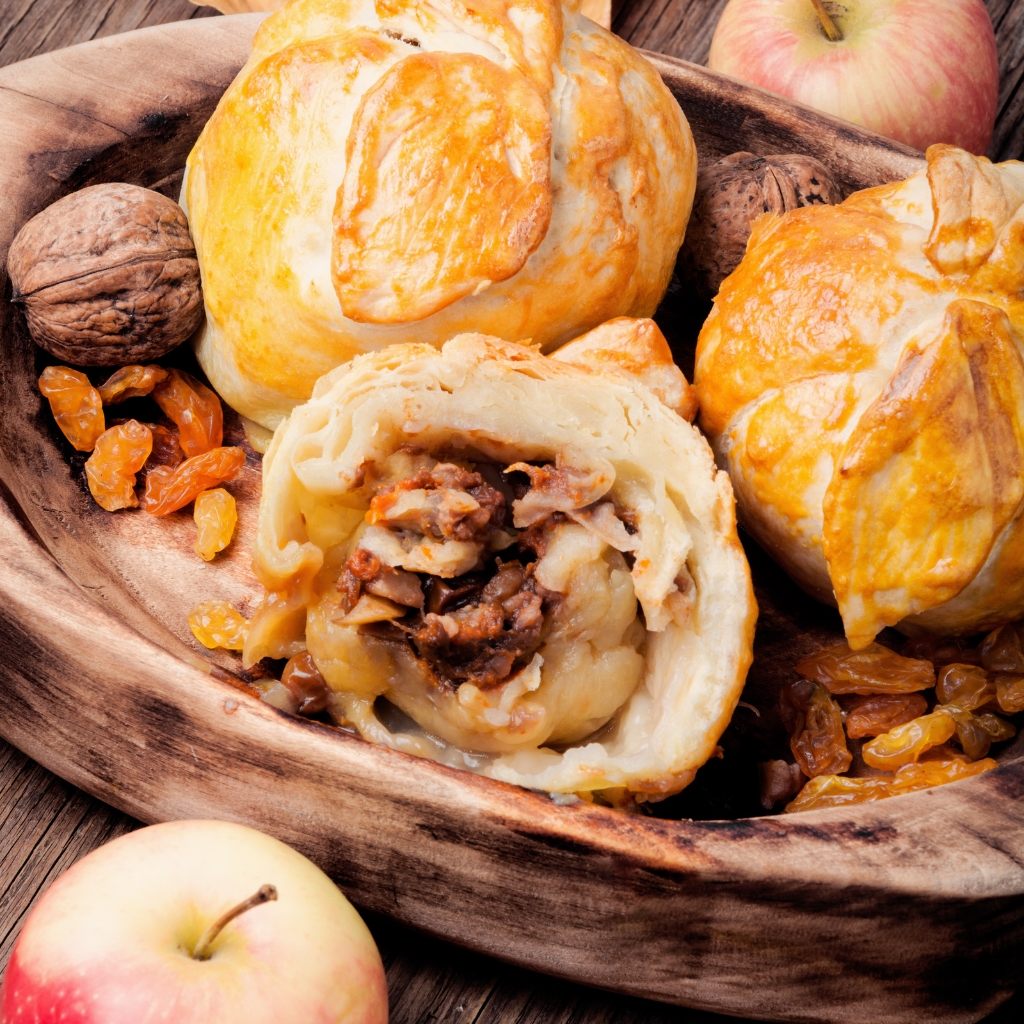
730,195
107,276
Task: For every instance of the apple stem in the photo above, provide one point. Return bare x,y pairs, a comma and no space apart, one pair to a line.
265,895
830,27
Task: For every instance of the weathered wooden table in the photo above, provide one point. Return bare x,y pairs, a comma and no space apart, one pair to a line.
46,824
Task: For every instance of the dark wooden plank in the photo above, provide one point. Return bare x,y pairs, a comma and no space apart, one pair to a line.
680,28
30,27
1008,140
45,826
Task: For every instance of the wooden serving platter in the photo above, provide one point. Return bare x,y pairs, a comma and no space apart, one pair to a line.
910,909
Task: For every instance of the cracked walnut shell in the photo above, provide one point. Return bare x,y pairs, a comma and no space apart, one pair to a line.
107,276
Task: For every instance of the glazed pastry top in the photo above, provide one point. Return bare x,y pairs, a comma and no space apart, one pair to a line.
397,172
861,376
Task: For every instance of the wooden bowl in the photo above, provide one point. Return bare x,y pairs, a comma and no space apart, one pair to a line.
910,909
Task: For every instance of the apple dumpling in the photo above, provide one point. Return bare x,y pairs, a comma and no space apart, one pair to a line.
518,564
861,377
401,172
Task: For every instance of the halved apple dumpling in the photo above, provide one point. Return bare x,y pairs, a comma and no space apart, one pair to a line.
522,565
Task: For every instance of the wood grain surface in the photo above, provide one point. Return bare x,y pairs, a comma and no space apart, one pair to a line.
45,824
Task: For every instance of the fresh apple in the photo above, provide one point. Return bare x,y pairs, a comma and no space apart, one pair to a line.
141,931
919,71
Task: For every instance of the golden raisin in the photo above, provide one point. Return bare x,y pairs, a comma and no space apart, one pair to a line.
1001,650
195,410
908,742
838,790
218,624
973,737
926,774
815,726
957,651
967,686
166,450
304,682
875,715
118,455
998,728
130,382
875,669
1010,692
75,405
215,517
169,489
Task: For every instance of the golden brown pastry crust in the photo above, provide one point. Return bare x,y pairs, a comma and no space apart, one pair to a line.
861,376
400,172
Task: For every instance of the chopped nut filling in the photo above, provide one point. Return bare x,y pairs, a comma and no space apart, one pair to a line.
484,625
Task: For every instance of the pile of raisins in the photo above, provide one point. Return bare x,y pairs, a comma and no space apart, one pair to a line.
180,465
927,716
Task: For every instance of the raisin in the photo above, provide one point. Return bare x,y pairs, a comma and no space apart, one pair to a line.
908,742
304,682
999,729
1001,651
1010,693
919,648
838,790
967,686
815,726
972,736
215,517
195,410
779,781
926,774
951,651
875,669
130,382
218,624
75,404
363,564
169,489
118,455
166,450
872,716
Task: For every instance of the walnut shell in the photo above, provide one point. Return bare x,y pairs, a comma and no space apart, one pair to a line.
107,276
730,195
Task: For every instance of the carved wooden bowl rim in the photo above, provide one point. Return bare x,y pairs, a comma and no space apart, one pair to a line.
579,891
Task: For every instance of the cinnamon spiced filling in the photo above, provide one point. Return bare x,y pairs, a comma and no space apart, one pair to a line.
485,625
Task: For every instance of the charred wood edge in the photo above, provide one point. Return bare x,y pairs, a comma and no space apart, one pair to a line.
580,891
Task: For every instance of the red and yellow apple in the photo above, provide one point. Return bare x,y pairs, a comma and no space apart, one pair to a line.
114,940
918,71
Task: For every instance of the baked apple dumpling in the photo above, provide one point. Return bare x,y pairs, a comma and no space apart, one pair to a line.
403,171
861,377
533,560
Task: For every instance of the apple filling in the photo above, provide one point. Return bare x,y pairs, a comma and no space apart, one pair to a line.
495,608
